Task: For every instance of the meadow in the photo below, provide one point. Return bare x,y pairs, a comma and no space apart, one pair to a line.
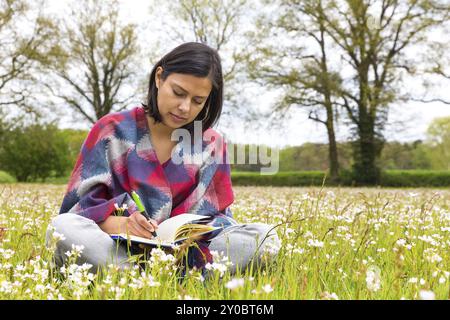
337,243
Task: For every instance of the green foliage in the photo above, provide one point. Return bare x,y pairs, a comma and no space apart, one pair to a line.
239,156
34,152
405,156
439,143
6,177
313,156
74,140
395,155
309,156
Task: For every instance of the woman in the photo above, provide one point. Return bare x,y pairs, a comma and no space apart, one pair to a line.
131,151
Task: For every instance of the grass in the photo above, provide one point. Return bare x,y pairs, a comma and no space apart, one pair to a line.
365,243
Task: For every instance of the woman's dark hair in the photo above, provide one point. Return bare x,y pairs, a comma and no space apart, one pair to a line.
196,59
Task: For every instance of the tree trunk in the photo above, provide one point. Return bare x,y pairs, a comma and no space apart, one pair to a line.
366,152
332,146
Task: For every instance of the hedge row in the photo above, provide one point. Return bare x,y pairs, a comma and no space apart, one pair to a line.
295,178
416,178
390,178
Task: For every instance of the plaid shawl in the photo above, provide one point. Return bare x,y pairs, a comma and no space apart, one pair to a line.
117,157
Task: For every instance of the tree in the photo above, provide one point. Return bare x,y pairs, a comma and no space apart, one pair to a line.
303,68
27,39
373,37
435,73
212,22
4,127
369,44
95,68
221,25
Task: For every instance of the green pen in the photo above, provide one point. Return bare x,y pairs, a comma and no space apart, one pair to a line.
141,208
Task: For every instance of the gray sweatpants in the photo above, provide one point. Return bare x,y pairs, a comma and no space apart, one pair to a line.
243,243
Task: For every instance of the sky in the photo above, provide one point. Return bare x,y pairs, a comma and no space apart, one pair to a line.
297,129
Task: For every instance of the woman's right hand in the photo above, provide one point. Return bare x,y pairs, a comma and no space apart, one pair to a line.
136,225
139,226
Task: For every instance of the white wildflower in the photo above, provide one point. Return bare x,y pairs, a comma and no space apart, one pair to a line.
219,267
435,258
426,295
373,279
200,278
308,234
186,297
58,236
40,288
272,248
235,283
107,280
315,243
76,251
7,253
158,255
288,231
148,280
6,287
428,239
117,291
267,288
329,296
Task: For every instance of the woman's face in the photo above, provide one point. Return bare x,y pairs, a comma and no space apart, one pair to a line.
181,97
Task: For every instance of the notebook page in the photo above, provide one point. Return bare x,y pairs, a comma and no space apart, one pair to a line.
167,229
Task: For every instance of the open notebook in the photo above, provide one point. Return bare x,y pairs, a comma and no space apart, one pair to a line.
173,231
